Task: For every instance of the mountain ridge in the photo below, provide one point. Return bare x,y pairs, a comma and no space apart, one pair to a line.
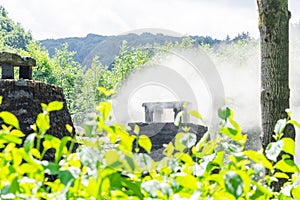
108,47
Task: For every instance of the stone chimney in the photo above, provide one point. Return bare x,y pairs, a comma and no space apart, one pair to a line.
23,96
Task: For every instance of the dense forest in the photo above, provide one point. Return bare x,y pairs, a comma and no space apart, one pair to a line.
109,165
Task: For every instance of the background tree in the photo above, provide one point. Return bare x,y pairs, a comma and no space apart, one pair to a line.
87,99
123,65
274,38
12,34
45,66
68,73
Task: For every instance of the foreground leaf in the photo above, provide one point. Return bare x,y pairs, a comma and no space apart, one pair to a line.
145,142
55,106
234,183
287,165
10,119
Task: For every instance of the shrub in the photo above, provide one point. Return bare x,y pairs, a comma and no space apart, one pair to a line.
104,166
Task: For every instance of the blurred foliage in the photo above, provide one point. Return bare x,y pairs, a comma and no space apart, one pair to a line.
105,166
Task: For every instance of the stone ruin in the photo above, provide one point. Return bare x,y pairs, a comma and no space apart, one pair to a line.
164,132
23,96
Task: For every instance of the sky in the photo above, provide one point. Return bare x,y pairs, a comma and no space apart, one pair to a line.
48,19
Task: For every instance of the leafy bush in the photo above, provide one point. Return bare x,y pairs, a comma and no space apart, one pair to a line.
105,167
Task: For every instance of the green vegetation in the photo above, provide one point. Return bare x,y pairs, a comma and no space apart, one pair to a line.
61,66
105,167
92,45
12,34
101,169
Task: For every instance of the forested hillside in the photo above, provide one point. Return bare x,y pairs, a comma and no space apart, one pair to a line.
108,47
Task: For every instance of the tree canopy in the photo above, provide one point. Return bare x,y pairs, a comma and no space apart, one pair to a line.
12,34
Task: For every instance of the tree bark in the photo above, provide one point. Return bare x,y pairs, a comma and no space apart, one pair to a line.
274,40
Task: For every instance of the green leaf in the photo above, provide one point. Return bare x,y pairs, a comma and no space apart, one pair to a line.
295,123
104,108
274,149
63,146
178,145
136,129
105,92
66,177
31,161
259,158
224,113
235,125
43,122
92,187
112,159
222,195
281,175
118,194
10,138
14,185
169,149
17,157
236,135
234,183
196,114
185,140
55,106
187,181
289,146
36,153
296,192
69,128
209,148
145,142
126,140
44,106
287,165
29,142
52,142
186,158
51,168
17,133
128,161
219,158
10,119
261,191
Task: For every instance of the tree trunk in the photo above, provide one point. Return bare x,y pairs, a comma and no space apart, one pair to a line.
274,40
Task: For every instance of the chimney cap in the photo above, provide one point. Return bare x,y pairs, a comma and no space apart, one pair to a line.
16,60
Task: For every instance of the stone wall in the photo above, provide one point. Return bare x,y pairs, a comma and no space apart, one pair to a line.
161,133
24,97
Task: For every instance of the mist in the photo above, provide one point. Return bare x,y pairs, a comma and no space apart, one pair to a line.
238,67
